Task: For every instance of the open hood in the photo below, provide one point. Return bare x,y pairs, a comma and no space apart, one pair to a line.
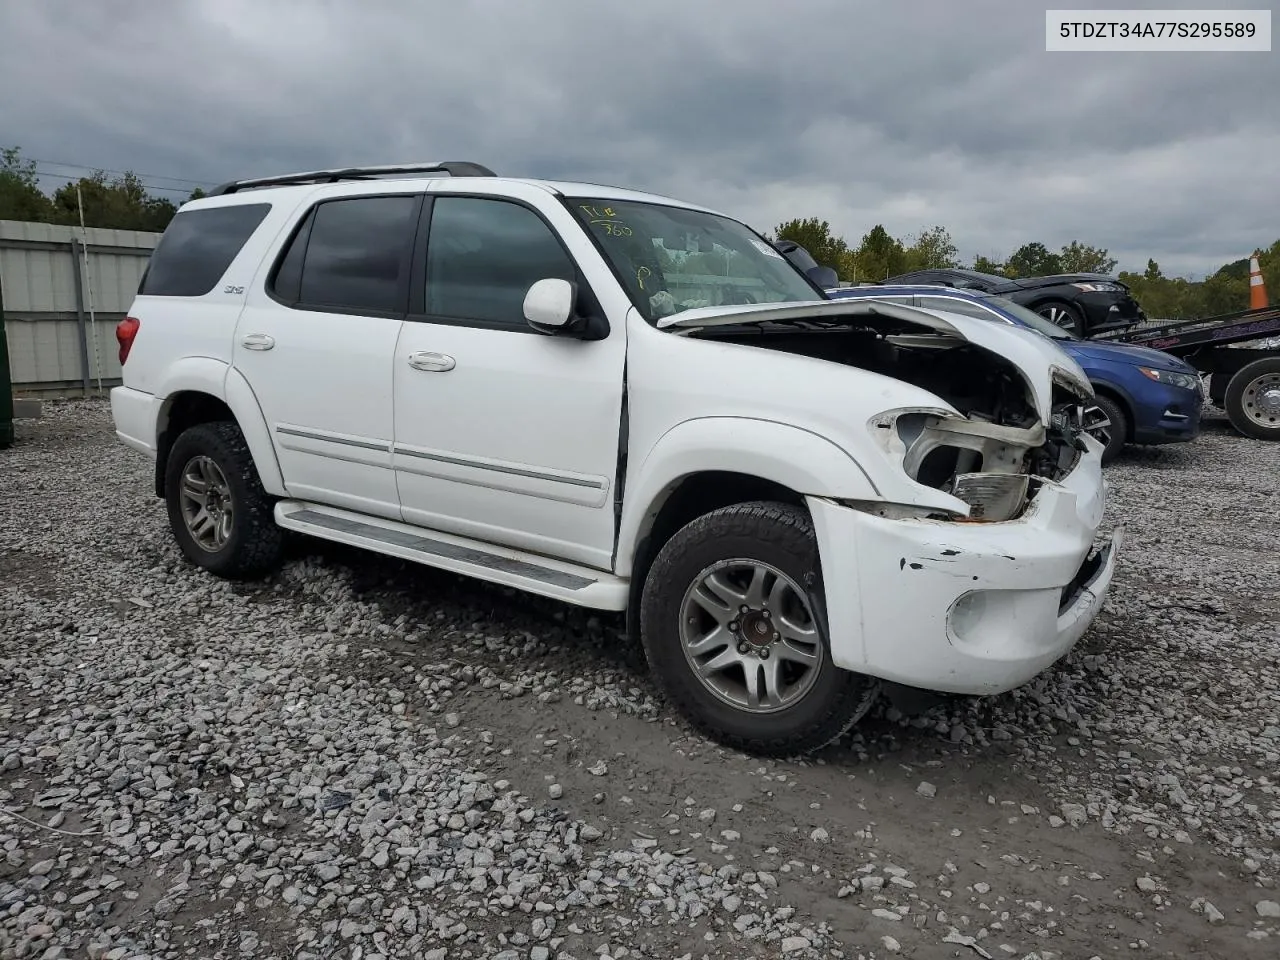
1040,360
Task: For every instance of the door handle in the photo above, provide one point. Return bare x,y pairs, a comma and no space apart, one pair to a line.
257,341
431,362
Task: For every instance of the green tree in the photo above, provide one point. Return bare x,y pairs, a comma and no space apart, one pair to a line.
815,236
985,265
1077,257
1152,272
20,195
1235,269
121,204
197,194
1033,260
1269,261
933,249
1224,292
879,256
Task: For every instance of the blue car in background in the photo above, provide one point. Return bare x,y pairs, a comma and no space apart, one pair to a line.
1149,397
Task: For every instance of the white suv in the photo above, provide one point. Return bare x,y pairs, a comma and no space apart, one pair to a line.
628,403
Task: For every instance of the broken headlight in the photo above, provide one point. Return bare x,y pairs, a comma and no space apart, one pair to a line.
984,465
992,497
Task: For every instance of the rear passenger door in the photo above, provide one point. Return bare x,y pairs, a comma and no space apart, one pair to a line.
316,343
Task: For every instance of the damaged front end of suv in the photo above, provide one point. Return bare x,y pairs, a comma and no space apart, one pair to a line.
977,562
1014,402
992,462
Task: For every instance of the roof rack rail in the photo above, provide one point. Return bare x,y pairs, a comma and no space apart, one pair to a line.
455,168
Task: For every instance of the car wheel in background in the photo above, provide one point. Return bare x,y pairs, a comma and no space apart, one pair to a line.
1253,399
1064,315
1118,430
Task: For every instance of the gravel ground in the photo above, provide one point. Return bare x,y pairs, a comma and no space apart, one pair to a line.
364,759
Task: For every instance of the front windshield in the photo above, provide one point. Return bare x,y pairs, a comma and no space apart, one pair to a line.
1032,319
672,259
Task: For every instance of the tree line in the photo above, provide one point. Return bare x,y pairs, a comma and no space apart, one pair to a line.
880,256
124,203
121,202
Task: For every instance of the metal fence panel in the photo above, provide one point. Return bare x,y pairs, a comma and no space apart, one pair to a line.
49,293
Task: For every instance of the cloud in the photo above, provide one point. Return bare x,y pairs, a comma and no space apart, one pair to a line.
907,114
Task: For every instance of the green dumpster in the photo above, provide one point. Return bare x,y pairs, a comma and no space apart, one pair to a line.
6,385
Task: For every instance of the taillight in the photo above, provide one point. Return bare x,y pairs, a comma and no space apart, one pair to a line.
126,330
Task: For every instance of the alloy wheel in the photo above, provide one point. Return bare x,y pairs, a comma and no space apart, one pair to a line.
749,635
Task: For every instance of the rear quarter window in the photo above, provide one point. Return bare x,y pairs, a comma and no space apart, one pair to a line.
198,247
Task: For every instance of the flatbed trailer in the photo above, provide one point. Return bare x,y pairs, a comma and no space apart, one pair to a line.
1245,381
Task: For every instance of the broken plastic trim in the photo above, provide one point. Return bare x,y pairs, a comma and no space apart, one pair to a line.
992,497
900,511
999,449
1072,384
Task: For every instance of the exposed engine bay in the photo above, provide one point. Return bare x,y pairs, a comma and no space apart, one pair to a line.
995,457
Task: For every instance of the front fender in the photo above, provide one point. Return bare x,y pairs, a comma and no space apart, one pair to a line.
1106,384
781,453
216,379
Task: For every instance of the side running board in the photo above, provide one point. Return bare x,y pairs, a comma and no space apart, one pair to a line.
530,572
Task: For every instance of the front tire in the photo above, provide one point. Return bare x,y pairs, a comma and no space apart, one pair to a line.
733,626
221,516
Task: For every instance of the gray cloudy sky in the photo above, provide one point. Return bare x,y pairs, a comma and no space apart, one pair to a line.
901,112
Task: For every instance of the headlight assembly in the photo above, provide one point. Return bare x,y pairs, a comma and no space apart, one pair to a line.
1186,381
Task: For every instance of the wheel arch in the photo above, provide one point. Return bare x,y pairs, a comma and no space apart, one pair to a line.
211,391
691,471
1121,397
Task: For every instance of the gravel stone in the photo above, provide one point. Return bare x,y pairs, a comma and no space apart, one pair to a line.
279,768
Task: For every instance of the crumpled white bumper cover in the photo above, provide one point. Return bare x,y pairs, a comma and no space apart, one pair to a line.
970,608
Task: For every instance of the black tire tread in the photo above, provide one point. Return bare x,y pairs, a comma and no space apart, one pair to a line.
790,527
258,539
1233,402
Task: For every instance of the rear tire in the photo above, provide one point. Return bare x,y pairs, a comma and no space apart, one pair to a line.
221,516
1253,399
775,691
1119,429
1065,315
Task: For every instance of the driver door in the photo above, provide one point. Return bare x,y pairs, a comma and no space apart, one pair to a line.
503,434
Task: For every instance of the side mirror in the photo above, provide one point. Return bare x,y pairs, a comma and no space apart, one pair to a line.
824,277
548,306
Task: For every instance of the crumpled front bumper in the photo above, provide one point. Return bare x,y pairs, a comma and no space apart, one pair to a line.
970,608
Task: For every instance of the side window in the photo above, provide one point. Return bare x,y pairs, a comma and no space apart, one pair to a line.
955,305
350,255
287,283
482,257
198,247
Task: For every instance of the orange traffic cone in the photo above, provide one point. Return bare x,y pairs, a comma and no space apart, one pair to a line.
1257,290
